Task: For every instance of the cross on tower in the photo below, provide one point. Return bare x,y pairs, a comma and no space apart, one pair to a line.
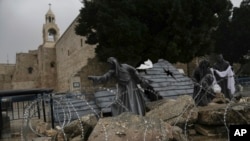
49,5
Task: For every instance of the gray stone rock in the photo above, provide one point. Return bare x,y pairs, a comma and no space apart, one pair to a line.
235,113
211,131
220,98
155,104
131,127
42,139
178,134
175,112
74,128
6,122
77,138
206,138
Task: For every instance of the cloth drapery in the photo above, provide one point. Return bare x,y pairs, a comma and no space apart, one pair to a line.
229,74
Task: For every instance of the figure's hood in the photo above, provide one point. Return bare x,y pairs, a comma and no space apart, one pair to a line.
114,64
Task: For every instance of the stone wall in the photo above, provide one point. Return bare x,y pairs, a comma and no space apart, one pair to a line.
24,85
94,67
189,67
26,72
6,75
47,67
72,53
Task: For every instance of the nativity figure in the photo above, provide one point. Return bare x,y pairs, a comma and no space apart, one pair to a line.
130,97
224,76
203,78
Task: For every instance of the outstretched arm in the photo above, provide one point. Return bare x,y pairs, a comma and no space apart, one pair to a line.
102,79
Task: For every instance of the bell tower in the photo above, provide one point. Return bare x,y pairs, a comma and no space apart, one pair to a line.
47,52
50,29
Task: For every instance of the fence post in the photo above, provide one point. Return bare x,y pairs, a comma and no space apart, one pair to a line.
43,105
1,118
52,111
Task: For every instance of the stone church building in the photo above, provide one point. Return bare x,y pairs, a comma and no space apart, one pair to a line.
60,62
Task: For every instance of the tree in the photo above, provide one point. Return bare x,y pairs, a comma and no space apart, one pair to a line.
135,30
241,31
233,39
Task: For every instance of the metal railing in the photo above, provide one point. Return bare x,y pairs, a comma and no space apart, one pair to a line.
245,81
15,101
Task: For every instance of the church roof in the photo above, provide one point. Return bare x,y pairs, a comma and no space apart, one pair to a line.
165,85
50,11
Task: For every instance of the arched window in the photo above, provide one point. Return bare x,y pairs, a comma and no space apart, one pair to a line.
51,35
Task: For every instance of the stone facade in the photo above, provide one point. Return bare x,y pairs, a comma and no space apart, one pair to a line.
47,67
71,54
6,75
26,72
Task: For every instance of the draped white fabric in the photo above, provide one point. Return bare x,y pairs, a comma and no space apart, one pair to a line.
230,78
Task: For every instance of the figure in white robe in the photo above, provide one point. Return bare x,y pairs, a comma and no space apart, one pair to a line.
224,76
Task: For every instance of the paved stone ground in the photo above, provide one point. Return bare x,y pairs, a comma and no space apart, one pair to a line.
204,138
14,132
246,90
12,128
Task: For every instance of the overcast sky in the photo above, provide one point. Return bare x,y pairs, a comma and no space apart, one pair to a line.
21,23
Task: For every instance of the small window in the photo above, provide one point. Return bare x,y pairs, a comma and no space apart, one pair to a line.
52,64
68,52
51,34
81,43
30,70
76,84
50,19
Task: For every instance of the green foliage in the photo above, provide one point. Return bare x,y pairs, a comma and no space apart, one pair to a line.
135,30
233,36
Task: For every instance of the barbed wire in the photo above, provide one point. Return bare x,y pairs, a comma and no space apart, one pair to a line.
203,92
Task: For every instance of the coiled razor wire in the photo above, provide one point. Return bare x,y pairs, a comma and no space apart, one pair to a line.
67,117
26,125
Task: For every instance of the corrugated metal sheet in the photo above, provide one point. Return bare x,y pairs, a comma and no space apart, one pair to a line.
165,85
72,107
104,100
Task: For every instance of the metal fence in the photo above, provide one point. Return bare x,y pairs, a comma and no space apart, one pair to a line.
14,102
244,81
